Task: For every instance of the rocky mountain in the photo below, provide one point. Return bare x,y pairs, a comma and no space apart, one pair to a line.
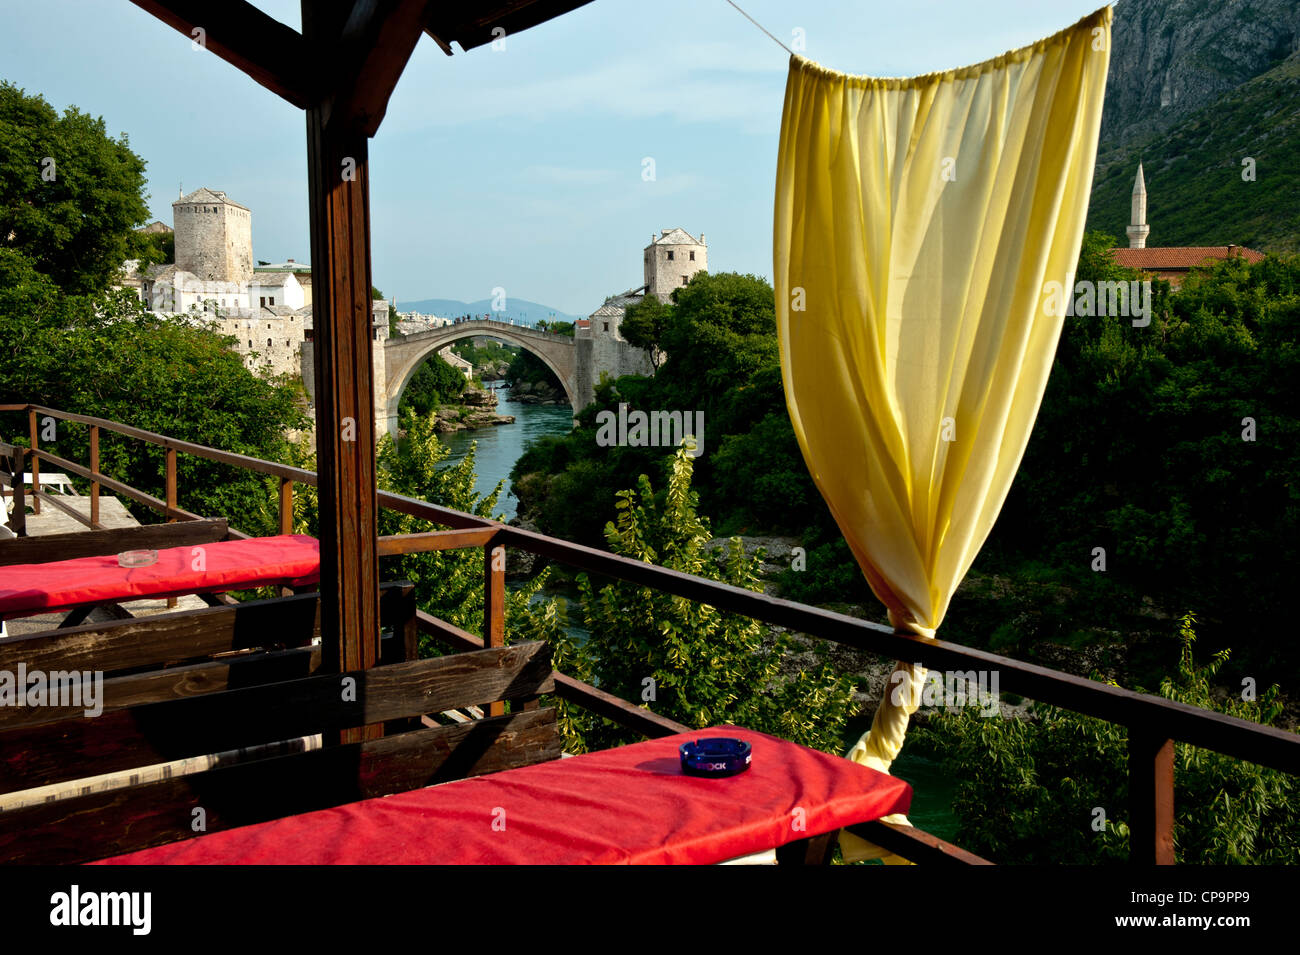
1195,88
1170,58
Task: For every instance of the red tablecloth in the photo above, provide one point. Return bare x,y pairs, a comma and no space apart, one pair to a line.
625,805
224,565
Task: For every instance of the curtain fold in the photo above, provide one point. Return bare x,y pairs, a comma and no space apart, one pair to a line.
917,222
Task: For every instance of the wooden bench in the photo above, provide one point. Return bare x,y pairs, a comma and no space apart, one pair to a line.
232,693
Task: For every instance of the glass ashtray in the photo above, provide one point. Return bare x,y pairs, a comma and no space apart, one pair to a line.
137,558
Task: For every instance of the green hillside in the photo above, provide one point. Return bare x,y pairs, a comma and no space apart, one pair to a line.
1196,195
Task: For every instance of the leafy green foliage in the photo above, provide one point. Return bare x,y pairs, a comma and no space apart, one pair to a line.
105,356
527,367
643,325
1028,789
707,667
434,383
69,193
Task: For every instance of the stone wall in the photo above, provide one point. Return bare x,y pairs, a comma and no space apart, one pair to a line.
613,356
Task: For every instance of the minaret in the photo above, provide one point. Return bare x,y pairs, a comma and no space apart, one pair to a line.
1138,230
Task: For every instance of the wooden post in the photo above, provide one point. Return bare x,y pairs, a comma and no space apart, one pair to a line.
339,190
170,494
1151,798
94,485
286,506
33,462
494,606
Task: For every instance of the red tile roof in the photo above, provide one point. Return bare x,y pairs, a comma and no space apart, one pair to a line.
1182,257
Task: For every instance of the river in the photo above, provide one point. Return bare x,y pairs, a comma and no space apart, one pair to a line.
500,447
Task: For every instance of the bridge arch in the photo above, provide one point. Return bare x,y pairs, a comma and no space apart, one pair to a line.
404,355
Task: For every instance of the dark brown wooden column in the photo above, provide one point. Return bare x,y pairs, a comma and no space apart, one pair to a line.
339,192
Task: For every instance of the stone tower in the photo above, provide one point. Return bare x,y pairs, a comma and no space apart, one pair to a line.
671,259
1138,229
214,237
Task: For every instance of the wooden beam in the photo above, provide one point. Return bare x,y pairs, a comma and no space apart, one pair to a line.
378,40
472,26
435,540
339,187
271,53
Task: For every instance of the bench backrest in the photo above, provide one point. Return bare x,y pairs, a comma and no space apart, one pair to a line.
49,547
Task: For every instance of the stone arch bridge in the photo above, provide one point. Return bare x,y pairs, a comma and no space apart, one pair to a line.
577,362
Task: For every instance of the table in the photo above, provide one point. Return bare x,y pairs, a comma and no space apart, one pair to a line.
626,805
206,568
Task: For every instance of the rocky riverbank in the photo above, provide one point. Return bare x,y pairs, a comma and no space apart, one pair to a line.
537,393
477,409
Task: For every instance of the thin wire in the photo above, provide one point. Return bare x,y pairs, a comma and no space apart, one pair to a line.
763,28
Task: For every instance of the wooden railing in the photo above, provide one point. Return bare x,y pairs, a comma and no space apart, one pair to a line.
1153,723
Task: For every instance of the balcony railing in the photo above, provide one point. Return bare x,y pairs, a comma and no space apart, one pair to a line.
1153,723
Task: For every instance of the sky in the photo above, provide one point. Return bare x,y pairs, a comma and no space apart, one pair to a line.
519,168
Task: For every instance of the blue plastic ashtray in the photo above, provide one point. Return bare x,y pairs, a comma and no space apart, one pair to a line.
716,756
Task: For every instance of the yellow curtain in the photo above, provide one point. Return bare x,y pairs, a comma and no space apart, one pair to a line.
917,224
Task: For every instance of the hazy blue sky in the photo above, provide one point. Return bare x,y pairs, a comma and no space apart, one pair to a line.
519,168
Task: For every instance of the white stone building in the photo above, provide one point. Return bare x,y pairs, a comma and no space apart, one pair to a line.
669,261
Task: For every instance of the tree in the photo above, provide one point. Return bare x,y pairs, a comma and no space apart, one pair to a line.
1028,790
434,383
69,193
643,326
106,356
698,665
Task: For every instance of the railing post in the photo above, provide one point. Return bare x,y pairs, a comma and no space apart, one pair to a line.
1151,798
34,462
171,502
494,606
94,485
286,506
170,493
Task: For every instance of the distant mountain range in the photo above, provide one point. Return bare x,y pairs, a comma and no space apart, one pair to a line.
1195,88
522,311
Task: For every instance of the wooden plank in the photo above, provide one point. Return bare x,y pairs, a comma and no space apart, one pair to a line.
272,54
175,637
472,25
190,635
914,845
339,192
109,823
51,547
213,723
494,604
435,540
236,667
1151,798
611,707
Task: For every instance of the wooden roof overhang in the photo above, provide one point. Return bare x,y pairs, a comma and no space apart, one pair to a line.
342,69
